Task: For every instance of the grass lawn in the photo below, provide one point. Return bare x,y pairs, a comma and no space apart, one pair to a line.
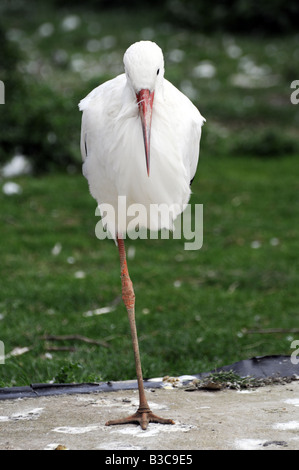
193,308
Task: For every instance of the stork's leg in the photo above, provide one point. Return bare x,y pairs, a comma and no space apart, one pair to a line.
143,415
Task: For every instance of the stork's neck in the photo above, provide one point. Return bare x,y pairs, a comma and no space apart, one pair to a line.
131,91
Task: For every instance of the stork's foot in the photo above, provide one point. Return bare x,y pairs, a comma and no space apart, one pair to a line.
141,417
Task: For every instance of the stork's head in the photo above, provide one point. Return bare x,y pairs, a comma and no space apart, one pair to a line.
144,67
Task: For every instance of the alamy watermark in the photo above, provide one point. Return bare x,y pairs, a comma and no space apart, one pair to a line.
295,353
2,92
187,226
2,353
295,94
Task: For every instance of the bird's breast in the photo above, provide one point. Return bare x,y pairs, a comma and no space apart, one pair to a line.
167,182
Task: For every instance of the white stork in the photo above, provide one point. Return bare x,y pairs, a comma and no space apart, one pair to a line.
140,140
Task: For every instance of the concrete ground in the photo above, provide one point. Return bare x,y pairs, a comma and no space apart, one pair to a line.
265,418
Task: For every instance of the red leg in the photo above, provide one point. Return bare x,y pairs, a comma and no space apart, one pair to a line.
143,415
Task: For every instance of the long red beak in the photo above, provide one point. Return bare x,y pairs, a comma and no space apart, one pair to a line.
145,100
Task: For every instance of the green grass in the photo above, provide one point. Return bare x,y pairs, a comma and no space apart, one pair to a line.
246,274
226,287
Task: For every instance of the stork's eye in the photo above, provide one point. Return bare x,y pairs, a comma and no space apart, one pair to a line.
158,71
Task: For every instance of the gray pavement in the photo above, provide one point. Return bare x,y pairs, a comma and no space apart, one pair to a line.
264,418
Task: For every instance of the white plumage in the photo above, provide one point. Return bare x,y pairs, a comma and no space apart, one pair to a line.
113,146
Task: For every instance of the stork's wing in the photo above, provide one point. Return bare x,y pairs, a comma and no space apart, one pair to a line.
95,107
193,147
84,104
194,144
189,122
